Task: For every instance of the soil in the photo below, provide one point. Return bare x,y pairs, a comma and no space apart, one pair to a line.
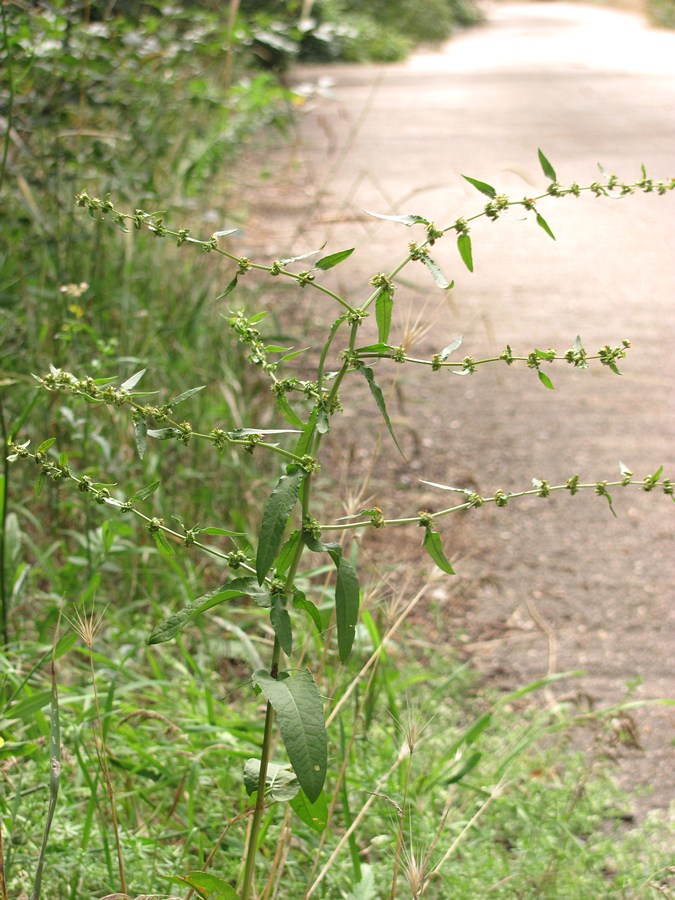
542,585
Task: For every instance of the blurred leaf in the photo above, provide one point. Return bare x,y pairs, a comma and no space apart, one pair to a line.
440,279
131,383
545,380
228,290
141,435
315,815
403,220
451,347
186,394
210,887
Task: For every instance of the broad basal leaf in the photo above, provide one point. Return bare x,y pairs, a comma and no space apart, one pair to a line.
297,704
277,511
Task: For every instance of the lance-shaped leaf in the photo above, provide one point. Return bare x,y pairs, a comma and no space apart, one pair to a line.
288,412
542,223
236,587
384,304
299,711
277,511
369,375
145,492
300,601
334,259
228,290
131,383
434,547
186,394
546,167
545,380
141,435
347,594
403,220
464,247
481,186
440,279
281,623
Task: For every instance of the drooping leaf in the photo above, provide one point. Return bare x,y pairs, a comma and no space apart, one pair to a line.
333,259
297,704
131,383
369,375
281,623
463,768
210,887
347,601
546,167
481,186
347,594
315,815
281,782
434,547
230,287
545,380
464,247
141,435
384,304
300,601
236,587
440,279
287,553
277,511
163,434
288,412
542,223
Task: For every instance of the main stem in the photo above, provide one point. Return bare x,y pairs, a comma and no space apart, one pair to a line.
262,779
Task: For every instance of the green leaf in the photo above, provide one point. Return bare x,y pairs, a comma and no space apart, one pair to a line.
164,546
440,279
131,383
299,711
281,623
464,247
287,553
347,594
277,511
146,492
186,394
315,815
546,167
209,886
300,601
334,259
434,547
163,434
45,445
236,587
542,223
141,435
369,375
281,782
384,304
545,380
228,290
463,768
481,186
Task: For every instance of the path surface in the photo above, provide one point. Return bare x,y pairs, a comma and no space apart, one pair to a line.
542,584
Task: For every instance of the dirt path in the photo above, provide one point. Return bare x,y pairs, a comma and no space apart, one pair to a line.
542,585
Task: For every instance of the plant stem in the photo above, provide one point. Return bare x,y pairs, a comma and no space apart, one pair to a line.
262,778
4,497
